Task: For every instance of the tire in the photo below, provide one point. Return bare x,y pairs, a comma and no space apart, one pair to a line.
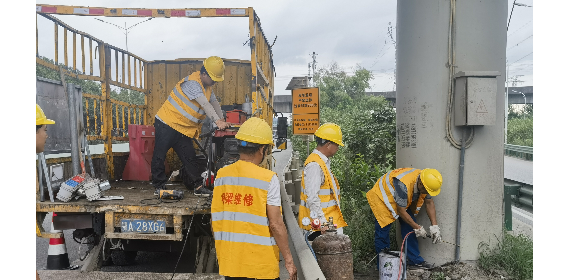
121,257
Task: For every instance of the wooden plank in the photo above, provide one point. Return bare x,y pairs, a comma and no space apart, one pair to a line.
172,77
158,86
231,84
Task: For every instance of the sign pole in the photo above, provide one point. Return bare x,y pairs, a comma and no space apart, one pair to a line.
308,152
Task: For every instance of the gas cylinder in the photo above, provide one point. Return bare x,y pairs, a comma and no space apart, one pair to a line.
334,255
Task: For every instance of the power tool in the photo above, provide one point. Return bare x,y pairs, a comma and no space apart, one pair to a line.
171,194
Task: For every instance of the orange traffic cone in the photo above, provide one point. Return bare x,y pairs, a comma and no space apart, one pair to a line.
57,253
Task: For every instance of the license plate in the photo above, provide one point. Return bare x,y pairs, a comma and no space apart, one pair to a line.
143,226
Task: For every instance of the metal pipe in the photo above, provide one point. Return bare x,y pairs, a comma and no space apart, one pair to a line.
75,160
460,196
526,190
88,155
405,259
40,179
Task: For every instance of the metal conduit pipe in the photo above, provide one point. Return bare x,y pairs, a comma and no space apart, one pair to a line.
460,196
307,266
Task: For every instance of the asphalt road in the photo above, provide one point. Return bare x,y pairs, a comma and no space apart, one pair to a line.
157,262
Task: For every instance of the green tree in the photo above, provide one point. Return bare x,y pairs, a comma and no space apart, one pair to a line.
519,127
368,126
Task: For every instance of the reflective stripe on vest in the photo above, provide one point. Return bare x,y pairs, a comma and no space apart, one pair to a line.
242,181
323,204
245,245
240,217
328,195
385,197
321,192
405,173
243,237
181,113
186,102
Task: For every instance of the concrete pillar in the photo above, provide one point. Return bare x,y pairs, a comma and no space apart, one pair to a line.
422,90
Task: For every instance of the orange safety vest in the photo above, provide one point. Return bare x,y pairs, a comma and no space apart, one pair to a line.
245,245
382,201
182,114
327,194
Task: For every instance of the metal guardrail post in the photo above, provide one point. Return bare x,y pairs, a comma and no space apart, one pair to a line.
510,189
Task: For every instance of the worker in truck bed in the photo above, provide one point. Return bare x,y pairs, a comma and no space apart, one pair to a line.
179,120
41,136
401,193
320,198
246,211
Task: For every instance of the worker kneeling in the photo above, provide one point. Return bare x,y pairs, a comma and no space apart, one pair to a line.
246,211
400,194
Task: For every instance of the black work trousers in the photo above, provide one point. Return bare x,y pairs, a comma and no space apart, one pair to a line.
165,138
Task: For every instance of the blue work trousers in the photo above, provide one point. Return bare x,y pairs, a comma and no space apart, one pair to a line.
382,239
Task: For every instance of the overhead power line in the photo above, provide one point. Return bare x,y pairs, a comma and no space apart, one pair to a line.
520,59
520,42
520,28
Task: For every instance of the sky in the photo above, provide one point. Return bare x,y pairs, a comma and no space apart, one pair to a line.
348,34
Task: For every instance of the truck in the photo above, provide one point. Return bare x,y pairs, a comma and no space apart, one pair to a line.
115,229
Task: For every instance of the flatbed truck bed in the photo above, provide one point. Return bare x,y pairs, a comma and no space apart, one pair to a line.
139,203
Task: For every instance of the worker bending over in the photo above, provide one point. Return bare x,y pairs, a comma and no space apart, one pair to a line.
179,120
400,194
41,136
320,196
246,211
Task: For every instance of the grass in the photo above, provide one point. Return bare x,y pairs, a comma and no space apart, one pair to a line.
512,254
437,276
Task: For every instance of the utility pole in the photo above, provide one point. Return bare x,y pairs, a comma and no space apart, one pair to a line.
314,65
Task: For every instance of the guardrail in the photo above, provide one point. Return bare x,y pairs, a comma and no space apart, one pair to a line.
307,266
518,193
523,152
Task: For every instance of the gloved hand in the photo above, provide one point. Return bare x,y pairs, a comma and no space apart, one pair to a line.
421,232
435,234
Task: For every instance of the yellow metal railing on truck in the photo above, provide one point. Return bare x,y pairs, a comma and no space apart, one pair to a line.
108,119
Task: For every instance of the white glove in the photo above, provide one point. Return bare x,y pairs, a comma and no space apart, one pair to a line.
435,234
421,232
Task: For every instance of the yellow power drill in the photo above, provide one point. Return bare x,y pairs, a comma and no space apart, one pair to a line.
171,194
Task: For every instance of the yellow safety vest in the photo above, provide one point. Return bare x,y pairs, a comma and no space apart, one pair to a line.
331,208
182,114
245,245
382,201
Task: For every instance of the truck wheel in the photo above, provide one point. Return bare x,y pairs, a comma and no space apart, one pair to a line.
121,257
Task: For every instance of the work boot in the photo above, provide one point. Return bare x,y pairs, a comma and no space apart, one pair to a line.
423,265
202,191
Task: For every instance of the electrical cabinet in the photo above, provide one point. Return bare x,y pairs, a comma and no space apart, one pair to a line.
475,98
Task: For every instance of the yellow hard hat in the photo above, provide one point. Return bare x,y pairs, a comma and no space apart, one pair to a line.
432,180
215,67
41,118
255,130
331,132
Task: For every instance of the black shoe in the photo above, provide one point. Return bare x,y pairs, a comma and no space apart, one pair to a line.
202,192
423,265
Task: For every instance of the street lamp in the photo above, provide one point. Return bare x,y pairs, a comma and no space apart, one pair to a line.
125,29
524,96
